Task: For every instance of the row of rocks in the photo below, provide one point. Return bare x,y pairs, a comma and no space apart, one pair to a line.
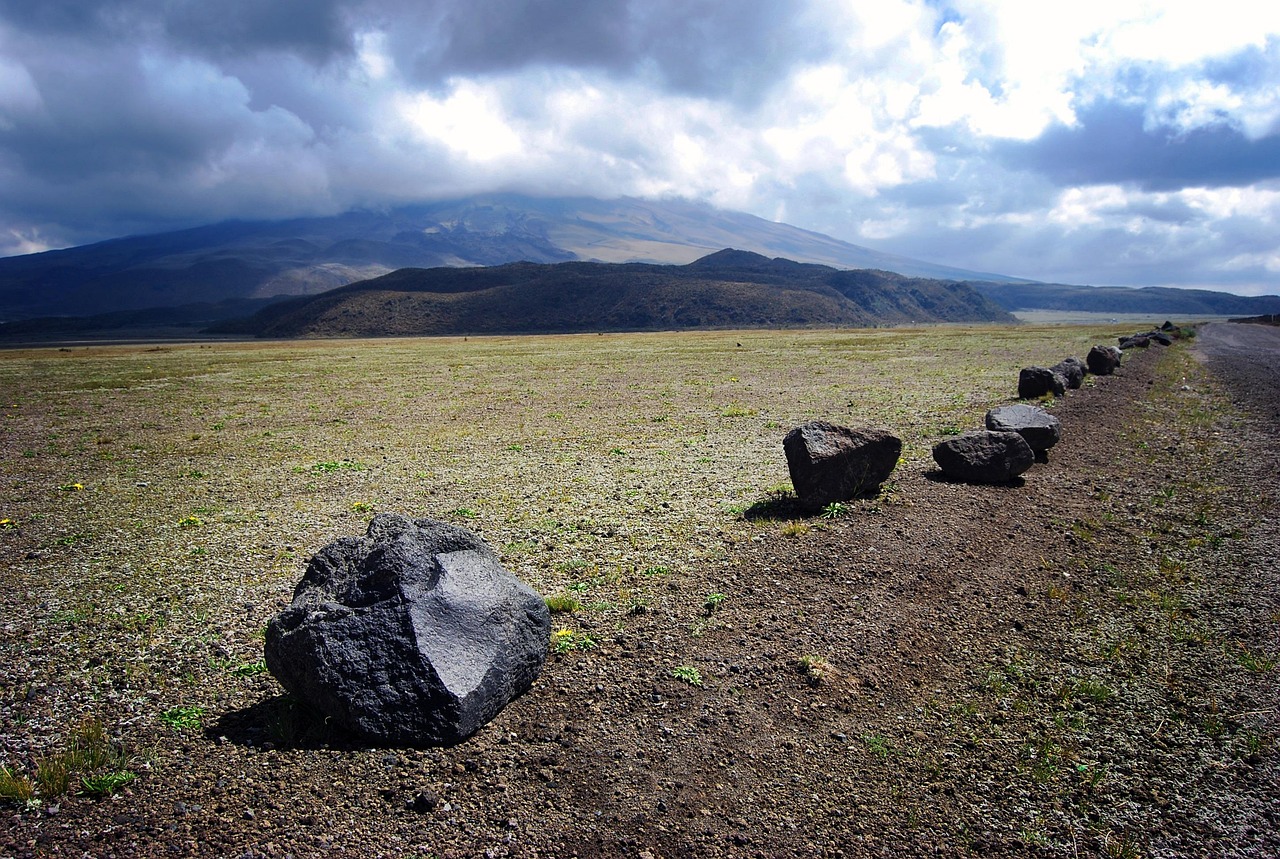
415,634
1017,435
1162,336
1067,374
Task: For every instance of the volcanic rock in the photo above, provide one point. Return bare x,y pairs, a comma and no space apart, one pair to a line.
1040,429
1072,370
1103,360
1035,382
983,456
831,463
412,635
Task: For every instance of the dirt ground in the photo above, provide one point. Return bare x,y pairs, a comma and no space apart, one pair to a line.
1082,664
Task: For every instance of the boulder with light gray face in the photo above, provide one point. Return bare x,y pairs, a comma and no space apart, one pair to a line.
1040,429
412,635
983,456
830,463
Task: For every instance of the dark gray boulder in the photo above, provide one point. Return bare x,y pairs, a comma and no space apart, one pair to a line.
1040,429
1035,382
833,463
1103,360
983,456
1135,341
1159,337
1072,370
411,635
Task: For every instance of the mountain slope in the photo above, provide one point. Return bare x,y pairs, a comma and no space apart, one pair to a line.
729,289
245,260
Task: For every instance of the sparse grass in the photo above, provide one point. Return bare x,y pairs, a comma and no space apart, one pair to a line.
562,603
794,529
877,746
566,640
687,674
88,763
835,510
183,718
15,786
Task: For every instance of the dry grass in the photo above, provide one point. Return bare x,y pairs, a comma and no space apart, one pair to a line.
210,473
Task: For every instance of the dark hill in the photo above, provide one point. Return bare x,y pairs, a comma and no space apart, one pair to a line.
728,289
1158,300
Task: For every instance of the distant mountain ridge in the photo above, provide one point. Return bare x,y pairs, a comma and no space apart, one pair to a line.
175,284
239,261
727,289
1160,300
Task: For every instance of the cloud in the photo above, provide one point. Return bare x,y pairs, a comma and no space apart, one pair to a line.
1100,141
1114,143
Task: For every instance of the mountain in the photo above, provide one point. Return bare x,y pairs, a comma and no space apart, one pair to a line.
241,261
1157,300
728,289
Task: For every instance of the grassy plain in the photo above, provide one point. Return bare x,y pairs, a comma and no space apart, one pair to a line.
160,502
579,458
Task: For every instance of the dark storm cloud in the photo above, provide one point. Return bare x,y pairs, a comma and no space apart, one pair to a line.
312,28
1111,145
735,50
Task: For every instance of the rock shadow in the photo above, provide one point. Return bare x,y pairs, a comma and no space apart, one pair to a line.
281,722
937,475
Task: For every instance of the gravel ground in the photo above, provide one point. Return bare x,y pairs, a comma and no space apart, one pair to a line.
1080,664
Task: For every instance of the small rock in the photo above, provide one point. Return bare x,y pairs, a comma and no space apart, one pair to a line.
424,802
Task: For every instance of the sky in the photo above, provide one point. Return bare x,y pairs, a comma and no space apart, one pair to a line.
1122,142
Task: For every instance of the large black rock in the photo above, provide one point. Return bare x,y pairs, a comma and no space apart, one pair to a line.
412,635
983,456
1034,382
831,463
1103,360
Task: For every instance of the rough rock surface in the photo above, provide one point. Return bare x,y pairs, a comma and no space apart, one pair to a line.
984,456
1072,370
412,635
1103,360
1035,382
831,463
1040,429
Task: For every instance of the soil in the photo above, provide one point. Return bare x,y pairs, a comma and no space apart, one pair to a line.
1083,663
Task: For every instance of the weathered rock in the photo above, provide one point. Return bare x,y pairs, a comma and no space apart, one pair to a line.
1040,429
1159,337
1135,341
1103,360
833,463
984,456
412,635
1072,370
1035,382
